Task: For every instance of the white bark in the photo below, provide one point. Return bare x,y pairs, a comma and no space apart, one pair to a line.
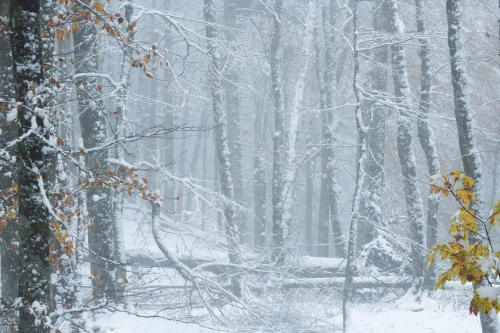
291,165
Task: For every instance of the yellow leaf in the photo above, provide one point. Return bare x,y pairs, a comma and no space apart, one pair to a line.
456,174
468,181
435,189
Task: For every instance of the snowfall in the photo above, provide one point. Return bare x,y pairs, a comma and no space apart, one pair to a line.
444,311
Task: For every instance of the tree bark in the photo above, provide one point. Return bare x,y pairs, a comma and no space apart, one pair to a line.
471,159
93,131
371,203
222,146
360,175
168,160
426,136
196,155
330,192
414,204
232,96
118,241
31,167
326,101
309,173
259,177
9,257
278,254
291,165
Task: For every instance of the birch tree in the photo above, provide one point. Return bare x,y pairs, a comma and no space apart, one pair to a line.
291,163
118,252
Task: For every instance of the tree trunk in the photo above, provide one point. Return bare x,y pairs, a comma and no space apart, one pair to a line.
34,216
222,145
93,130
291,165
120,271
329,195
168,160
463,114
309,173
196,155
426,136
323,243
360,175
151,143
259,176
278,254
414,204
9,256
232,96
371,205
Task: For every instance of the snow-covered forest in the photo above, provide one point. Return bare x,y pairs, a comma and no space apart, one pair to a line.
249,166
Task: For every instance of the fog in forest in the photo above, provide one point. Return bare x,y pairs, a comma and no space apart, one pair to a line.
249,166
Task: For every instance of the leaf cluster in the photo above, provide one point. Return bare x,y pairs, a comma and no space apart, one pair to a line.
470,262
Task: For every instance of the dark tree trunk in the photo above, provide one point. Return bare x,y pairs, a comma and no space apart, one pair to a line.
93,129
9,256
32,163
329,195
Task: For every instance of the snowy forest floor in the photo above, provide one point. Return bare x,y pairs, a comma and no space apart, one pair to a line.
375,310
389,317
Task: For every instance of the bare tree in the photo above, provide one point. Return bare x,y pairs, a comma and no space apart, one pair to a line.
222,147
414,204
425,133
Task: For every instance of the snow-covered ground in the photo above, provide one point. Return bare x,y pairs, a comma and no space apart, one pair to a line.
389,318
128,323
445,312
367,318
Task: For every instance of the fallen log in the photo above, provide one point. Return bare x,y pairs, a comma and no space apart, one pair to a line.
359,282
